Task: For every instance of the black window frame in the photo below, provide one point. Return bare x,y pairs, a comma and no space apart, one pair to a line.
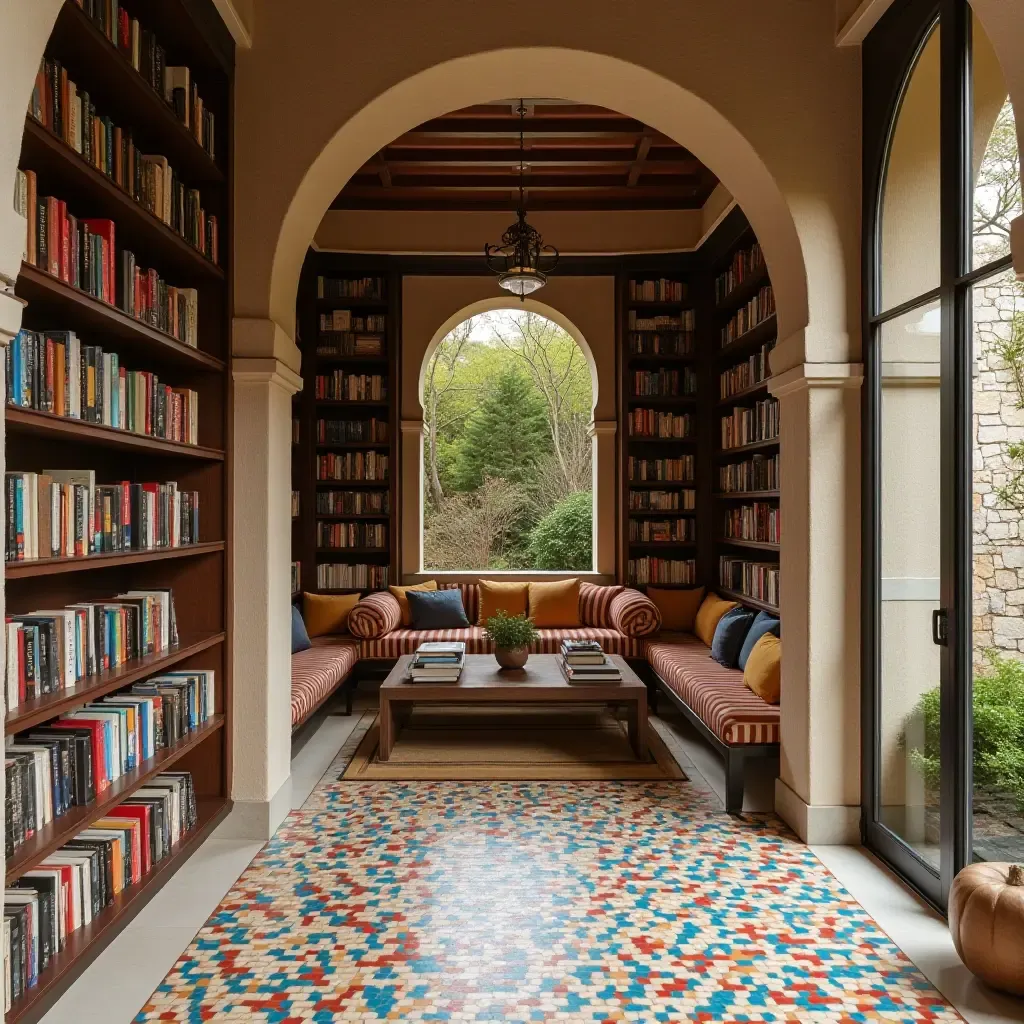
890,55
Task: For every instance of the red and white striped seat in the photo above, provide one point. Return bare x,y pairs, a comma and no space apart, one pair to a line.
716,694
317,672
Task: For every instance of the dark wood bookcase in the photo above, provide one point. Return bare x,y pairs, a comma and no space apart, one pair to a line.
749,345
307,410
707,361
672,351
193,35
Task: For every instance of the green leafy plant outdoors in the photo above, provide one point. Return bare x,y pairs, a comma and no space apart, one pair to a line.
998,730
510,631
563,539
1011,352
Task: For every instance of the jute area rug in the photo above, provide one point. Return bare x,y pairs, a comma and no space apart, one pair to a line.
441,743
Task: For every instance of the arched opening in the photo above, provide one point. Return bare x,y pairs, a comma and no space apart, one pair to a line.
508,397
484,77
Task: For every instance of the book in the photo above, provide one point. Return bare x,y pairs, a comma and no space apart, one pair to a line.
53,372
577,674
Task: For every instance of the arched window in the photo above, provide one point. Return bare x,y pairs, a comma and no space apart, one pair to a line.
507,453
943,667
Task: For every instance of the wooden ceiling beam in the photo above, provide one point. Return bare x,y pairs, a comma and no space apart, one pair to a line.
509,180
572,202
638,164
410,159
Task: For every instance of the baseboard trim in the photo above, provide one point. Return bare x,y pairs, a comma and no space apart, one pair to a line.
817,824
258,819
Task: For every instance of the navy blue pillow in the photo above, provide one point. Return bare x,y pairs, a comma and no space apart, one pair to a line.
729,635
300,638
764,623
437,609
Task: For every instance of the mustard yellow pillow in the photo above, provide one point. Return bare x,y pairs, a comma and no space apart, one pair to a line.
403,601
763,673
327,613
555,604
678,607
711,610
508,597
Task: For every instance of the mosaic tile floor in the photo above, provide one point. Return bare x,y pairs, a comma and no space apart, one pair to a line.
522,902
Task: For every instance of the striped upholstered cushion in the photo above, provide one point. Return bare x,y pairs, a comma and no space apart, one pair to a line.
319,670
375,615
470,598
596,604
405,641
634,614
717,694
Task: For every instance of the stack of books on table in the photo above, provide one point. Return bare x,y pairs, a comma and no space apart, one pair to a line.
438,662
584,661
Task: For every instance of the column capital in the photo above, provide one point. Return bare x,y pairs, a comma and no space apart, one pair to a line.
411,426
602,427
266,371
262,338
816,375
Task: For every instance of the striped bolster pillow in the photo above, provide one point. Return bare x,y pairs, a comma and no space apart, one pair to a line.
596,603
375,615
634,614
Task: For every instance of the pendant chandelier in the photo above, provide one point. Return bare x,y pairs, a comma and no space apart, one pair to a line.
522,261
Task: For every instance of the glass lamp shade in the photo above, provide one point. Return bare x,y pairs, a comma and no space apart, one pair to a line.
522,281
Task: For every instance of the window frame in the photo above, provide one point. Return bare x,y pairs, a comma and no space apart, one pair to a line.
891,52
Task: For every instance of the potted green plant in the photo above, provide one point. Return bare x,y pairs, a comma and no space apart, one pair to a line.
511,636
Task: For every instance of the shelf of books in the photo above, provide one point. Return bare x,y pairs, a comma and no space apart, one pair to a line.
748,521
346,532
659,431
116,679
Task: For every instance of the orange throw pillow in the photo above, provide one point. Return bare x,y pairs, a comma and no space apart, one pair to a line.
763,674
555,604
324,614
678,607
403,601
510,598
711,610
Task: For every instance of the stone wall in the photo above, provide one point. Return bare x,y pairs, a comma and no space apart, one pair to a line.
998,421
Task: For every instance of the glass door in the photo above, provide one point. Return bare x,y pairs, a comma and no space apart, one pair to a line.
943,657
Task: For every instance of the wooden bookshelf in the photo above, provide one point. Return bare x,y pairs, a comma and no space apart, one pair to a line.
748,354
714,306
308,408
198,575
677,353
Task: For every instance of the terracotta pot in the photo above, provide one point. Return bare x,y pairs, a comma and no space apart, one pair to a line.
986,920
511,657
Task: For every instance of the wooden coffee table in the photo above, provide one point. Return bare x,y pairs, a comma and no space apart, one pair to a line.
483,682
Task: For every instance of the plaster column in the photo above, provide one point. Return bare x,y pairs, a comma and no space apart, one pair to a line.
410,499
261,468
818,791
606,495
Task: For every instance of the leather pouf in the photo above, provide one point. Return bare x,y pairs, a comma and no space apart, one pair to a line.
986,920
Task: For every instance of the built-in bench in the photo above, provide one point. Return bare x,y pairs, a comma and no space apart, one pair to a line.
735,721
318,672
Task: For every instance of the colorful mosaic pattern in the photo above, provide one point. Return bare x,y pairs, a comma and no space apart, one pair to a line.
524,902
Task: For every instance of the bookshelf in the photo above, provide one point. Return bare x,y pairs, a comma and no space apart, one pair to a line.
746,429
347,515
660,427
192,35
734,488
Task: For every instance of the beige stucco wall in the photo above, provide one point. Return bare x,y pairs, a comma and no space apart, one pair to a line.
778,124
585,306
576,233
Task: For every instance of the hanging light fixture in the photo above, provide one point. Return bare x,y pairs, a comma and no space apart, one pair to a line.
522,261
